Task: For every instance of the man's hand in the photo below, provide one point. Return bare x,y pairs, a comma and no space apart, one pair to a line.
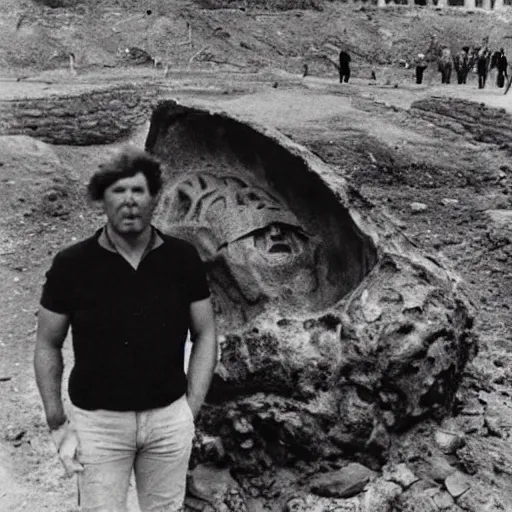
66,442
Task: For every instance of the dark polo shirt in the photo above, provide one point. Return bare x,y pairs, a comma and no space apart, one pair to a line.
129,326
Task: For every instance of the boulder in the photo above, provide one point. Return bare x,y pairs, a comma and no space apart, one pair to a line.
400,474
380,496
482,497
424,501
457,484
337,331
418,207
448,441
343,483
439,468
138,56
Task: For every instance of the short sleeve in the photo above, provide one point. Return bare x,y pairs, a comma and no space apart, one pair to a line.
56,289
197,281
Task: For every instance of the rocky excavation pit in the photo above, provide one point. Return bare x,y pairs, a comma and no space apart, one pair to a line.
340,340
337,333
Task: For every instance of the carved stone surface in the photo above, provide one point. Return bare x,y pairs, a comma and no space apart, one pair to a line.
336,331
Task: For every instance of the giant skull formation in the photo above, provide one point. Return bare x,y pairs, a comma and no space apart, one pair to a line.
336,331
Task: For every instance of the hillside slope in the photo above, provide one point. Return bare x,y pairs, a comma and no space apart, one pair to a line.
247,39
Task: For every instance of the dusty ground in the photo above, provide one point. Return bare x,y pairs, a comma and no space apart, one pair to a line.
366,130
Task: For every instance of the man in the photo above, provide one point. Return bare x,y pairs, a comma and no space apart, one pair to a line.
130,294
445,65
493,63
344,67
421,65
461,64
482,66
501,64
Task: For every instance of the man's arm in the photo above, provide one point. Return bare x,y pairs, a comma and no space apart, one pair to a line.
203,358
48,364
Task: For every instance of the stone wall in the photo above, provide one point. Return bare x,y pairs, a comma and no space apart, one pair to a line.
97,117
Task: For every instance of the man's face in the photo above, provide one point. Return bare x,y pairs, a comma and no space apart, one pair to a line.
128,205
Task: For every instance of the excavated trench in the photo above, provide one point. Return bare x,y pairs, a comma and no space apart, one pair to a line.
322,303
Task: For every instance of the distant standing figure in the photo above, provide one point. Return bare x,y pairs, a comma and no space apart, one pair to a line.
482,66
462,65
305,71
344,66
494,64
445,65
502,65
72,68
421,65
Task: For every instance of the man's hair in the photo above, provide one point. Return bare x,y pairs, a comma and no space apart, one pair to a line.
127,163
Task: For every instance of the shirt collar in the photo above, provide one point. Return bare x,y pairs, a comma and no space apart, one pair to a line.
156,241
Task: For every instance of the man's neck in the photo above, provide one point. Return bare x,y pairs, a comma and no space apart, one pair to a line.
131,243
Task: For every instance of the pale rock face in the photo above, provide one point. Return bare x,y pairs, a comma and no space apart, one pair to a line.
336,332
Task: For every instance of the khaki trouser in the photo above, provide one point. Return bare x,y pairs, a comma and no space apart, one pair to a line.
155,444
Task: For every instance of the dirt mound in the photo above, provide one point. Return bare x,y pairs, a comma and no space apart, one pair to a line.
98,117
271,5
420,164
255,35
485,124
34,182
